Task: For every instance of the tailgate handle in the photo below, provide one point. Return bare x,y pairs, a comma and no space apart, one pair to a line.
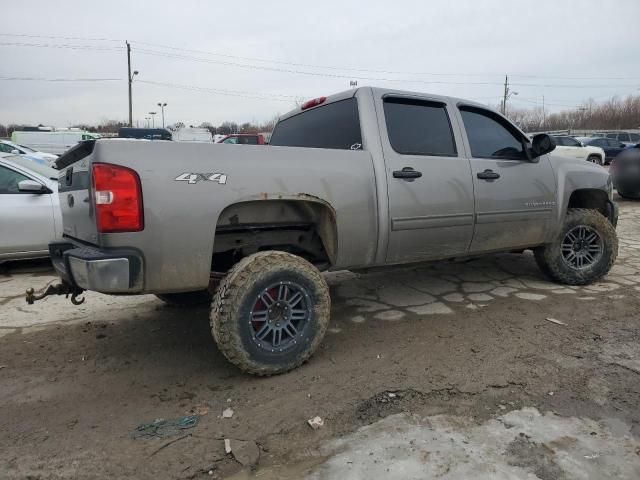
407,173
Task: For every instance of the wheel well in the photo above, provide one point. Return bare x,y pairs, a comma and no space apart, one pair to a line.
590,198
304,227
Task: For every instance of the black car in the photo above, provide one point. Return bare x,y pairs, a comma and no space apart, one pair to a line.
625,172
611,146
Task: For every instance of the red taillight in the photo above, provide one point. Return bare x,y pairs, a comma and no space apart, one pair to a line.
313,103
118,198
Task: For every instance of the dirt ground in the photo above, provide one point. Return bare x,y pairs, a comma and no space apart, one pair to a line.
458,355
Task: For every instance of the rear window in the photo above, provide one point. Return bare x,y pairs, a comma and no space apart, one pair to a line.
335,125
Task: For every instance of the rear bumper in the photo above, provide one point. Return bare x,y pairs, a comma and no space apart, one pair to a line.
105,271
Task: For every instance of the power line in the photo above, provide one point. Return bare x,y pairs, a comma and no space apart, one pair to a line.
356,77
60,45
308,65
300,72
40,79
232,93
59,37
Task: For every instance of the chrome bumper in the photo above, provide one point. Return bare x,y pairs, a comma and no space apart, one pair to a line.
105,271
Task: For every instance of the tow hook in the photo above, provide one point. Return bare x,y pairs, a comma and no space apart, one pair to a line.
59,289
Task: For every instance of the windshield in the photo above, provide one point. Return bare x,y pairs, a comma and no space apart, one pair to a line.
34,166
27,149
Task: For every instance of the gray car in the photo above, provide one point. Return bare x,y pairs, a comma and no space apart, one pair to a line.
365,178
29,208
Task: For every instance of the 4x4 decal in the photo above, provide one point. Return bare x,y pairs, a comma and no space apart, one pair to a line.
192,178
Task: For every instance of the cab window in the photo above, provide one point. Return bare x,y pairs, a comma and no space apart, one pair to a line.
490,136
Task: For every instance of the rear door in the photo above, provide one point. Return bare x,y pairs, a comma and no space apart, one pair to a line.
514,197
428,179
27,219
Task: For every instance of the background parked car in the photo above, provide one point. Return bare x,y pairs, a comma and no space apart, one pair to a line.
29,208
145,133
610,146
192,135
9,147
625,173
570,147
52,141
244,139
627,138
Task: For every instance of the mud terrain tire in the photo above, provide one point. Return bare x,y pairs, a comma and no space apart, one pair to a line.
559,267
277,293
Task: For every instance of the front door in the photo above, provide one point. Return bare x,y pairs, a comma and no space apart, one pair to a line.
27,218
428,180
568,147
514,197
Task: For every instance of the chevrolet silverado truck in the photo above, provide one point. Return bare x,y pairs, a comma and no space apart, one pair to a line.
365,178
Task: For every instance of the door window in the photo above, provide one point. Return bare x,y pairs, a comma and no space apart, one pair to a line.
9,180
417,127
4,148
490,137
634,137
571,142
624,137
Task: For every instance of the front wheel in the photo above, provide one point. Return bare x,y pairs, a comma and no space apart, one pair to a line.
270,312
594,159
583,252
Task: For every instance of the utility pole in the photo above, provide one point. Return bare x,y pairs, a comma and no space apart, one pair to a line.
130,79
543,113
153,118
506,92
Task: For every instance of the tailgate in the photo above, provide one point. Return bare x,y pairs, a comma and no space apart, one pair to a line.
74,190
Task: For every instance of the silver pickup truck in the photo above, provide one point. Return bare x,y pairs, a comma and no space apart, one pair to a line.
364,178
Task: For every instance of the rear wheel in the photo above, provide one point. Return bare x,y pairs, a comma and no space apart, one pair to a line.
583,251
270,312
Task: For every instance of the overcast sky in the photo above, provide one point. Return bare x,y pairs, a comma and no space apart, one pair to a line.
275,52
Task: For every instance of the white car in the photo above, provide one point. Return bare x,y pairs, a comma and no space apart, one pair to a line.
567,146
9,147
30,213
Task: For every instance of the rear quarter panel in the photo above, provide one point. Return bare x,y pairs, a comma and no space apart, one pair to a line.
180,217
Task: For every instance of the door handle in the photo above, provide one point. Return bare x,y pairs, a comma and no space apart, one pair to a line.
407,173
488,175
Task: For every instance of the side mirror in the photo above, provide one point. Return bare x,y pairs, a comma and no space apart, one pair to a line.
31,186
15,152
542,144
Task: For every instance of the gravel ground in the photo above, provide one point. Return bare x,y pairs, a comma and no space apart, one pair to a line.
438,370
